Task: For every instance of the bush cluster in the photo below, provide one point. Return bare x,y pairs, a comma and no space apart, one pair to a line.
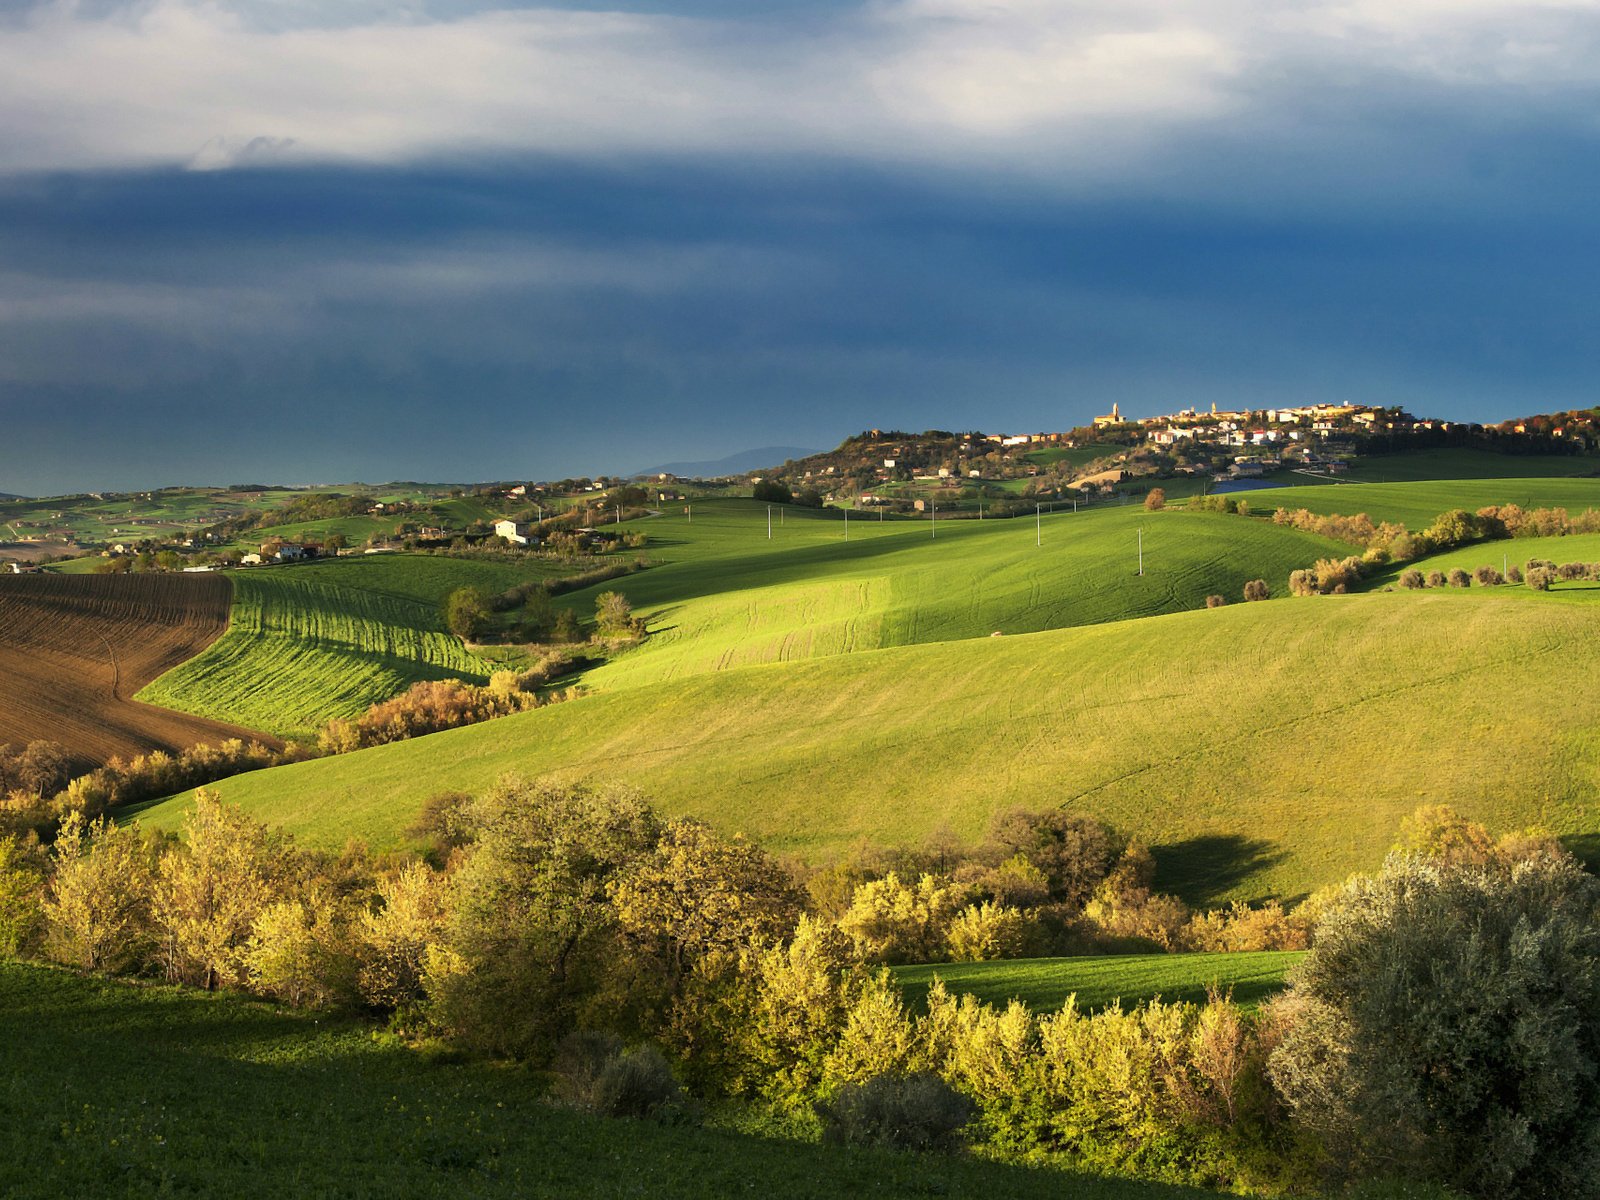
427,706
579,929
133,781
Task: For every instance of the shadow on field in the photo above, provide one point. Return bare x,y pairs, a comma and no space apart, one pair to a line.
1202,870
1585,847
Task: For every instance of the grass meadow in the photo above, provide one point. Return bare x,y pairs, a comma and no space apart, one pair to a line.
1099,981
1513,552
726,596
1416,504
108,1089
1261,749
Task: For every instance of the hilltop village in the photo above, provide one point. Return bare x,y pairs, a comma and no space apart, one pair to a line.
1118,456
937,473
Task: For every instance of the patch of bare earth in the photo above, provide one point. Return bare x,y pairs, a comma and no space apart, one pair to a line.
75,648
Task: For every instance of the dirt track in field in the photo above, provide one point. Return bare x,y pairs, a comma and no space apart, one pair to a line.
75,648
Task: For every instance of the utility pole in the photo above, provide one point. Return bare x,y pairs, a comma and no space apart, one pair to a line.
1038,527
769,522
1141,550
847,524
933,519
689,508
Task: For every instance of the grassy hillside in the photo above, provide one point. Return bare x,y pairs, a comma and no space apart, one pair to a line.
156,1091
1044,984
728,597
1514,552
1416,504
1262,748
327,639
1445,463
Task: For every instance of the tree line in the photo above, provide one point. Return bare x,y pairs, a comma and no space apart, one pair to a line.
1444,1026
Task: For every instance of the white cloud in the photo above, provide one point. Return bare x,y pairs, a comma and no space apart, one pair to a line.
1086,84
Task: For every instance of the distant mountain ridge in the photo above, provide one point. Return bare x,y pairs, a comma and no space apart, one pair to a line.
734,464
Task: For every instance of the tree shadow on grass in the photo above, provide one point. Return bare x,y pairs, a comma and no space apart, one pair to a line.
1585,847
1201,871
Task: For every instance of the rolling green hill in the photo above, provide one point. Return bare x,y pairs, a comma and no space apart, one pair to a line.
1098,981
726,596
327,639
1261,748
1416,504
1514,552
1455,463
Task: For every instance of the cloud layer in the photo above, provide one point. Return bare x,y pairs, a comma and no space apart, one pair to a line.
324,239
1057,89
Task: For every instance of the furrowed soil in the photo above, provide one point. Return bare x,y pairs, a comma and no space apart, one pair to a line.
75,648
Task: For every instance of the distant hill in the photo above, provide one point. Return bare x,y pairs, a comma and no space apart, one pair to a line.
734,464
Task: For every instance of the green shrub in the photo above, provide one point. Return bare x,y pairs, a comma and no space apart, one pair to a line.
1447,1021
987,931
891,921
21,885
919,1111
594,1073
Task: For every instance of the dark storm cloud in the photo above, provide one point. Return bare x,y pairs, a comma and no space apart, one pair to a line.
1288,213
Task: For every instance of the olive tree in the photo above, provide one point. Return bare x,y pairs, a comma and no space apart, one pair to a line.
1446,1026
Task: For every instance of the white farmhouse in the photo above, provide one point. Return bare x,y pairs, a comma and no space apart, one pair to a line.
515,532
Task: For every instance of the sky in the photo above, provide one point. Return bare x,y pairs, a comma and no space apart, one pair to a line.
333,240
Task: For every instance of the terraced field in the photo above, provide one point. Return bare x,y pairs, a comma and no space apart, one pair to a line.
74,649
323,640
1262,749
1044,984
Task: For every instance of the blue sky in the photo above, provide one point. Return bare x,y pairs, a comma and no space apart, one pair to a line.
296,241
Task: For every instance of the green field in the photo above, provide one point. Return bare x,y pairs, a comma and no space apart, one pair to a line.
726,596
136,516
1262,749
1415,505
1044,984
1513,552
108,1089
1076,456
318,640
1445,463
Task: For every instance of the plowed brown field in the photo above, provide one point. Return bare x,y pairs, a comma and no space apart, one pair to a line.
75,648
